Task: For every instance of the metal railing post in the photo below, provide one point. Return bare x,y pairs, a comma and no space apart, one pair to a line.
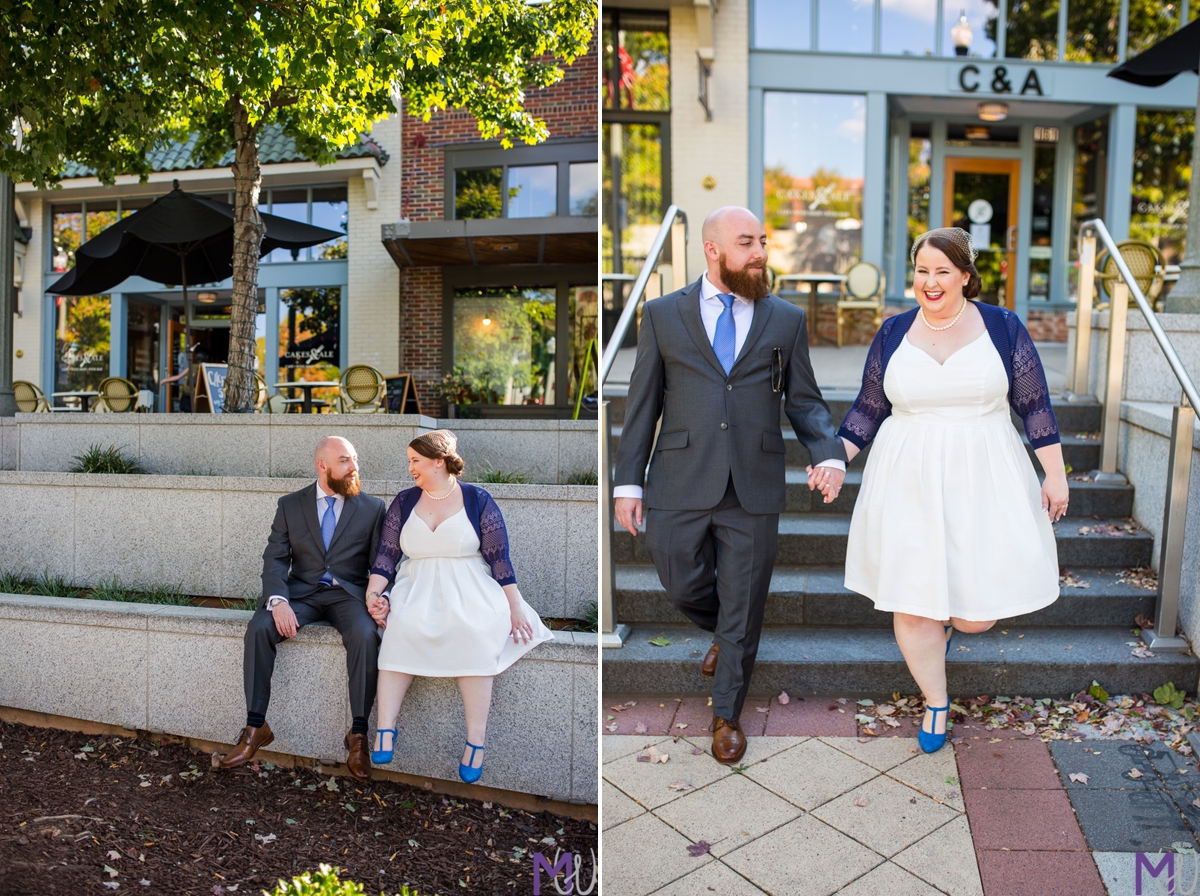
611,634
1083,316
1162,636
679,253
1110,427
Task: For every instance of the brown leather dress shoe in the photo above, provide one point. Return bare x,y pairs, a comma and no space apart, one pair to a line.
708,668
358,759
729,744
247,745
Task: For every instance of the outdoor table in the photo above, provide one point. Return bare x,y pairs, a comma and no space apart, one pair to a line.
307,386
813,280
85,398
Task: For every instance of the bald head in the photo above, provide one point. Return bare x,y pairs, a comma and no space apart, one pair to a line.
728,223
337,466
331,447
735,250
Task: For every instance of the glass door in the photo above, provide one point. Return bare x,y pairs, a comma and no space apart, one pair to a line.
981,198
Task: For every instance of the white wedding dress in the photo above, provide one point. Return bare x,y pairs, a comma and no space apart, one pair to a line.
449,617
949,520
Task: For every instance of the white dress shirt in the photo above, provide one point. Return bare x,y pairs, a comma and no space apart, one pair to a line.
710,309
322,508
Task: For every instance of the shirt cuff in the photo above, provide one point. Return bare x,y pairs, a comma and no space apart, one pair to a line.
275,599
835,463
627,491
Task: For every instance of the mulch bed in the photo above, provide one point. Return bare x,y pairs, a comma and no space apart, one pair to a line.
98,814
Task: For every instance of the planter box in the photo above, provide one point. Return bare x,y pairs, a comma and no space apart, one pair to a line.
206,534
178,670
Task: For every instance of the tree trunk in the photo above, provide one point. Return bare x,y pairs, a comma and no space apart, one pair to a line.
248,230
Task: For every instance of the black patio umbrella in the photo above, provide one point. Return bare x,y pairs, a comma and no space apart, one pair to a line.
1171,56
179,238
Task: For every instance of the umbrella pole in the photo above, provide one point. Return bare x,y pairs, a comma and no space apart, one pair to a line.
1184,296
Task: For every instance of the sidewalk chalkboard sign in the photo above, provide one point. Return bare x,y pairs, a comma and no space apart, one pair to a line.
210,388
401,397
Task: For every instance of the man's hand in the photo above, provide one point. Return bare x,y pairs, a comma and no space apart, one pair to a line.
629,514
285,619
379,607
828,479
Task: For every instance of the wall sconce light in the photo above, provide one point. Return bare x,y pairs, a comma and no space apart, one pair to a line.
487,318
993,111
961,35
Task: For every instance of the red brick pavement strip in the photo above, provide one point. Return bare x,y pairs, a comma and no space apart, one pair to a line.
1037,873
810,716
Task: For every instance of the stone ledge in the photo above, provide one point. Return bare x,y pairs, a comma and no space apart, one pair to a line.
1154,416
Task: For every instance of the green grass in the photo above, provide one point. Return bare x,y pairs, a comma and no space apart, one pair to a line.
591,618
165,594
583,477
53,586
240,603
14,583
111,589
98,459
490,475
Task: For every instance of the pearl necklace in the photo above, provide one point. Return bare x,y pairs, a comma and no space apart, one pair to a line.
949,325
449,491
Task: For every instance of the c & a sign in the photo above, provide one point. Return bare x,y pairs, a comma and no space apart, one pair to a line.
980,78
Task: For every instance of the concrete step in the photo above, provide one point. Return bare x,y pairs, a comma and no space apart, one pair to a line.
819,539
815,596
867,662
1079,453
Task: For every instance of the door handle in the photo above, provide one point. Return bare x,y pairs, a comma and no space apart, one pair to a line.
1010,239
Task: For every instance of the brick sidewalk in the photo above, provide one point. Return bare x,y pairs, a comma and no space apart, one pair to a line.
995,814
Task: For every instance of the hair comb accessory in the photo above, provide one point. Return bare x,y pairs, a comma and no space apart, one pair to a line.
955,234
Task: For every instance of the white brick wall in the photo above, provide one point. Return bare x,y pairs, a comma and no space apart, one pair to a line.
28,327
719,147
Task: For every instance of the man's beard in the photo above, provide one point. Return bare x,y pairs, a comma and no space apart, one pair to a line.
348,486
749,283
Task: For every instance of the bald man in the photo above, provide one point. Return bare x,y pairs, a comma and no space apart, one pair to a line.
315,567
714,361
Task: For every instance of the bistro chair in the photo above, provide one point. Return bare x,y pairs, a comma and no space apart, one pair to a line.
262,395
862,291
362,391
1145,263
117,395
30,399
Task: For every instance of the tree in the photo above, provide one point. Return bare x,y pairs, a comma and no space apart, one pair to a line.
325,70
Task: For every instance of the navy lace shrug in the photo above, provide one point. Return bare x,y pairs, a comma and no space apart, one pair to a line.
481,510
1028,393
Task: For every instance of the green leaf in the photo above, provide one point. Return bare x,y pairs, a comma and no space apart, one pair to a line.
1166,695
660,641
1098,692
351,807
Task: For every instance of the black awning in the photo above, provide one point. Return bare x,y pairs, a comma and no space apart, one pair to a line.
492,241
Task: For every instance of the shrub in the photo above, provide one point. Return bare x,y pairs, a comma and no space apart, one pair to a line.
165,594
14,583
512,477
98,459
111,589
591,618
583,477
325,882
53,586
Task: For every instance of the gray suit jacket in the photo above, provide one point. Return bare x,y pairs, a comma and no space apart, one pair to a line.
714,426
295,558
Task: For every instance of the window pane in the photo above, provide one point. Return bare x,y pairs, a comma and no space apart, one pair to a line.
1162,157
981,16
908,27
1091,169
584,308
920,150
583,189
66,235
608,40
142,346
293,205
477,193
845,26
1150,22
783,24
1093,29
81,342
533,191
330,209
503,347
644,62
1041,227
100,216
309,329
814,164
129,206
1032,30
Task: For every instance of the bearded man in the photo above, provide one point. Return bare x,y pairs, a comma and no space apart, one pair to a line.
714,361
315,566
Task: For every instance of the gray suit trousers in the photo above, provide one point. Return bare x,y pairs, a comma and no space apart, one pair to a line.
716,566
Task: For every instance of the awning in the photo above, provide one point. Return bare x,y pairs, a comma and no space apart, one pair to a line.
415,244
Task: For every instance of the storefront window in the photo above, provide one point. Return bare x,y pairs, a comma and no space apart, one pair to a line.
583,307
1091,170
634,154
532,191
908,28
81,342
1162,158
1093,27
583,189
783,24
814,166
504,347
981,17
1152,20
919,153
477,193
309,333
845,26
66,234
1032,30
330,209
637,61
1041,226
293,205
142,345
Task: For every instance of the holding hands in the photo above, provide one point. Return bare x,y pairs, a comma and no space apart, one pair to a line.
828,479
378,606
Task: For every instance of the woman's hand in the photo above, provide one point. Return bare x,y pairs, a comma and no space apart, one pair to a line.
521,630
1054,496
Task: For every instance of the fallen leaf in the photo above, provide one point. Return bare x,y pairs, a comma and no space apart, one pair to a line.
762,708
112,872
681,724
641,728
784,699
862,802
144,882
696,751
1134,773
111,884
113,854
699,848
885,710
654,755
660,641
618,708
269,838
612,727
681,785
1078,777
952,794
1142,652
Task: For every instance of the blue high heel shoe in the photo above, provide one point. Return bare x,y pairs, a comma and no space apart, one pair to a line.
929,741
383,757
950,629
466,772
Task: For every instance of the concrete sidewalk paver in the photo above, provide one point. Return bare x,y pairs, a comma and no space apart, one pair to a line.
728,814
885,815
793,778
652,855
649,782
945,859
882,753
618,808
890,879
712,878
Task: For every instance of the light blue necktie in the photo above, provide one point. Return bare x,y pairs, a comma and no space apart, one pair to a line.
328,524
725,337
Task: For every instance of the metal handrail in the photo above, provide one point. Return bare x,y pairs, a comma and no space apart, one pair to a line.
673,227
1162,635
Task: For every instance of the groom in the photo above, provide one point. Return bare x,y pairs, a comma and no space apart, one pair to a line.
714,360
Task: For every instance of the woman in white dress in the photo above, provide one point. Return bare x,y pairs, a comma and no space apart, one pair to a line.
951,529
454,610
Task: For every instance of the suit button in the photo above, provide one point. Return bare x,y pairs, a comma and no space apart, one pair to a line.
728,388
724,426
